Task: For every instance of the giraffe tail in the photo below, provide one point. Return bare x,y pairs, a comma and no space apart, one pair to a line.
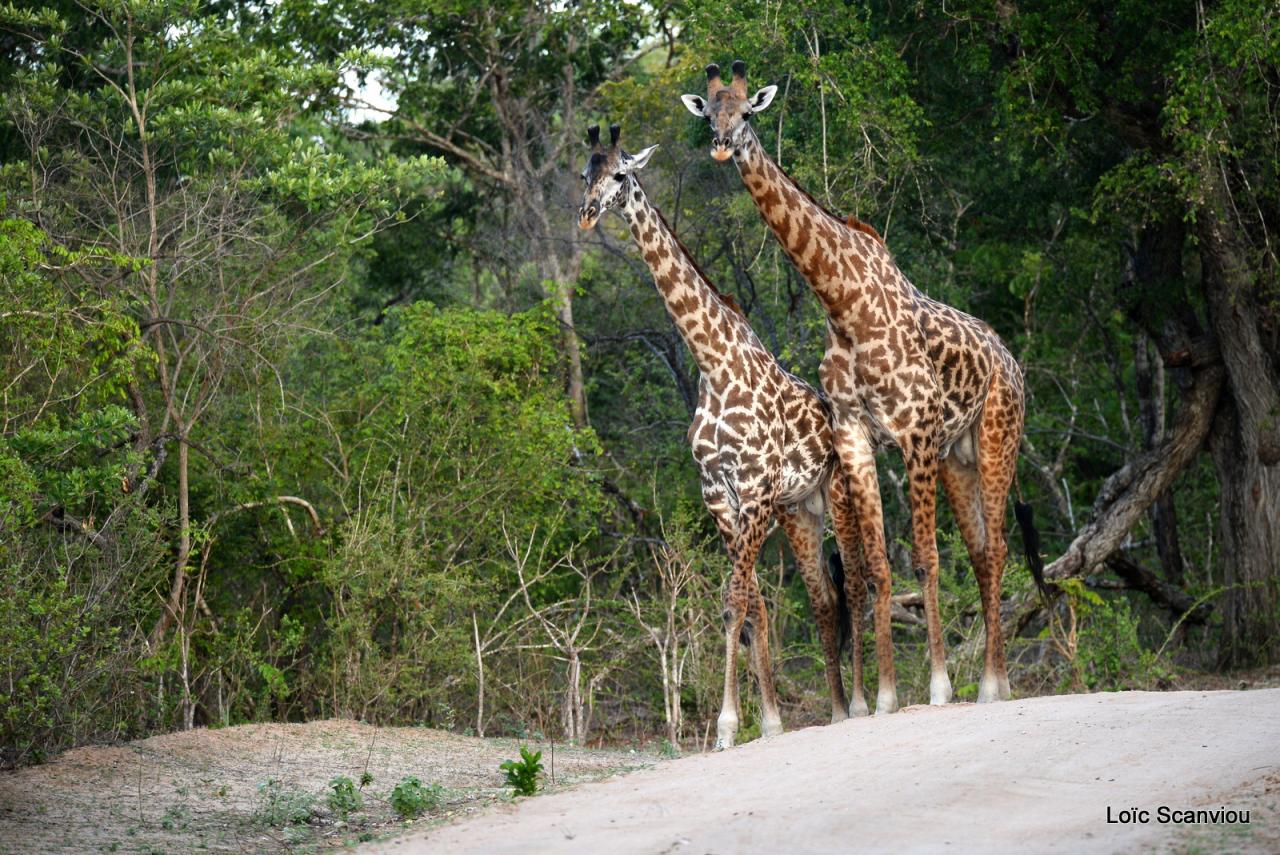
835,568
1031,544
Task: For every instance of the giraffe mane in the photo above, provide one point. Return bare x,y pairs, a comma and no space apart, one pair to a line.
850,221
866,228
726,299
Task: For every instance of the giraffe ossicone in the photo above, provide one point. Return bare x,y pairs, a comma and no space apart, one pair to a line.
761,439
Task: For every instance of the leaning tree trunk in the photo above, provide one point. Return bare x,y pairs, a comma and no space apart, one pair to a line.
1245,443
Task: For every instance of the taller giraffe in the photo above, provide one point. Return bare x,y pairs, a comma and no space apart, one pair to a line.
900,369
761,439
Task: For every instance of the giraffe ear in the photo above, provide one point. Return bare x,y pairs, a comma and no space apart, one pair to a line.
695,105
640,158
762,99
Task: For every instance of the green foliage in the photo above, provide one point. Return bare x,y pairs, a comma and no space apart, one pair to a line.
1109,654
343,797
282,805
522,774
411,799
467,441
1018,160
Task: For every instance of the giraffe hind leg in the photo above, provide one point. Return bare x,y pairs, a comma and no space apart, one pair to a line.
999,436
804,532
964,492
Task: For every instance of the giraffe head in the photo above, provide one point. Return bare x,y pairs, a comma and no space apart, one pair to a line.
607,174
728,108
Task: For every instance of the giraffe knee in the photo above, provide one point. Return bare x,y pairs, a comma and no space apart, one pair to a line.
745,631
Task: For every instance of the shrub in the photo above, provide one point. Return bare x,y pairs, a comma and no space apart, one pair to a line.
343,797
281,805
411,799
522,774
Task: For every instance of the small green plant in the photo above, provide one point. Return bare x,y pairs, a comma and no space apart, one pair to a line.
522,774
281,805
366,778
176,817
410,798
343,797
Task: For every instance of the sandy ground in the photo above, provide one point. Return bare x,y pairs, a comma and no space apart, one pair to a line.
199,791
1027,776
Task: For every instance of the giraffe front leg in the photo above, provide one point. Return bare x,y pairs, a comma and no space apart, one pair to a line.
739,601
922,474
857,460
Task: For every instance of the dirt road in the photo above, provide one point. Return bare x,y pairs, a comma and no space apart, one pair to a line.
1028,776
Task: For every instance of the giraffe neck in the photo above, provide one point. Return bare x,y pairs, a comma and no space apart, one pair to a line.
830,256
711,325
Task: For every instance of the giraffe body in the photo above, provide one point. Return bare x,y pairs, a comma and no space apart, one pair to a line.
901,370
761,439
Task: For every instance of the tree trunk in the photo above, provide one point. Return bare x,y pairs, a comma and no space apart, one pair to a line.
551,236
1245,444
1249,522
571,353
1149,375
1127,494
184,544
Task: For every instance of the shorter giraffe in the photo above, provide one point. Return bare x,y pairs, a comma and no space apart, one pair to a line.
761,439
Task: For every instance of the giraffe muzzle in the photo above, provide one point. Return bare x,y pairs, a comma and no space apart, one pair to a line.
721,148
587,216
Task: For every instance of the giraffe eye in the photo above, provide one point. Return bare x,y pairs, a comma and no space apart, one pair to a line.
620,176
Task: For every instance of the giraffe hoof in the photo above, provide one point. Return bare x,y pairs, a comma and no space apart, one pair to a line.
992,689
887,702
726,730
838,714
939,690
859,708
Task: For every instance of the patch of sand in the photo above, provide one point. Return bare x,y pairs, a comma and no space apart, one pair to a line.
198,790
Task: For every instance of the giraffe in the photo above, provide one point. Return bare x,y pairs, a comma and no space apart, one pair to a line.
901,370
761,439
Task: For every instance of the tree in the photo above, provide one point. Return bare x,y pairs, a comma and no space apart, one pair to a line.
186,152
1167,117
501,90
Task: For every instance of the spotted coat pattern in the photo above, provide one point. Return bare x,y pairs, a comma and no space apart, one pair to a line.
761,439
901,370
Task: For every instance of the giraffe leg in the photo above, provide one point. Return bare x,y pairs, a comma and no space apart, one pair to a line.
771,716
859,465
804,531
752,526
845,523
965,494
999,435
922,474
